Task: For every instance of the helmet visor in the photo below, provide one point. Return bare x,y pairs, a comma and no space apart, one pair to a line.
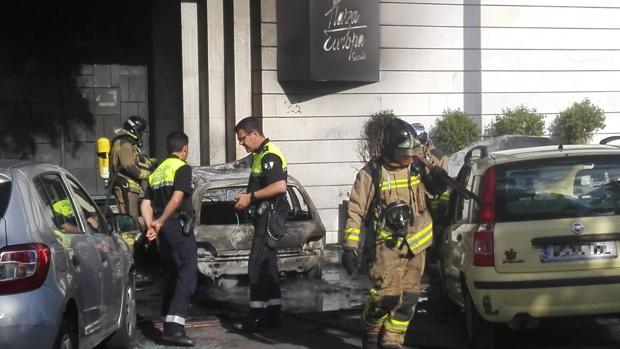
408,146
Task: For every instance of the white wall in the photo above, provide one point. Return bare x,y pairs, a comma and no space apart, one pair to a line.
421,75
549,54
545,54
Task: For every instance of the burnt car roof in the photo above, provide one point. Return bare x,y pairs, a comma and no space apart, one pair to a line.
233,172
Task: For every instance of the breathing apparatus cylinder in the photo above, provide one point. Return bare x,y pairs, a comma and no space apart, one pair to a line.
103,158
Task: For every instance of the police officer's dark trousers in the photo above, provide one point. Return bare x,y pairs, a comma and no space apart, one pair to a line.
265,297
178,252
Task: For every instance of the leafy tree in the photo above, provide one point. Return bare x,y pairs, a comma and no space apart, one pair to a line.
454,130
369,146
578,123
519,121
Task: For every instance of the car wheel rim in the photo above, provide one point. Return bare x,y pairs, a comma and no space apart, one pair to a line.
130,312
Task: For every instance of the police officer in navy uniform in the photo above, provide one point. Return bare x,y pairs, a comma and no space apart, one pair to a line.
168,213
266,194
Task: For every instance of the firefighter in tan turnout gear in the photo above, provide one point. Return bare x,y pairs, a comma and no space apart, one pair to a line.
388,198
439,202
129,166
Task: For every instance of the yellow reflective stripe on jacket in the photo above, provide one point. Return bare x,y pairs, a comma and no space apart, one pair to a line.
164,173
63,207
399,183
352,234
395,325
269,148
414,240
420,237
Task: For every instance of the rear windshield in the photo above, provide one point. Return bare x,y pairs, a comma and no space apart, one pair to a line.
558,188
5,194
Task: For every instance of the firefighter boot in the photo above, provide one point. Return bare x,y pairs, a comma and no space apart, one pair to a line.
392,340
370,336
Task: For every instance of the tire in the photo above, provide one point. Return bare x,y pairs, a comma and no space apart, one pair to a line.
67,336
123,337
480,333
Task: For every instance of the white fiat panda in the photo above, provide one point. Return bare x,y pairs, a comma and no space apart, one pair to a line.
539,237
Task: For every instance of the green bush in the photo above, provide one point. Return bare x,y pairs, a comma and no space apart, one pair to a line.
454,130
519,121
369,146
577,123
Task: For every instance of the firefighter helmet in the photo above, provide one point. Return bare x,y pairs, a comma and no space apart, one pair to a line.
421,133
399,136
135,125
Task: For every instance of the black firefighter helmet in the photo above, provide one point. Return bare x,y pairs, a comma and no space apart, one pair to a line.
135,126
399,137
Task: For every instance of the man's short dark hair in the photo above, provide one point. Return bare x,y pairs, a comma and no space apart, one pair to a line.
176,141
249,124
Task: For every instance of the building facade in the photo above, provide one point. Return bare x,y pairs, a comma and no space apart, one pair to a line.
206,64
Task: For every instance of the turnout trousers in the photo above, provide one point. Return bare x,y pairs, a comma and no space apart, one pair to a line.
178,253
265,297
396,276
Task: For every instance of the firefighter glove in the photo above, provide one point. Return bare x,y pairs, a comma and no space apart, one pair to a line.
350,261
437,173
438,182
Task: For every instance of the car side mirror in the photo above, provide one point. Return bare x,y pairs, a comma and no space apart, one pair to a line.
124,223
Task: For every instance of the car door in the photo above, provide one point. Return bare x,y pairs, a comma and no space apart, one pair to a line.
80,247
109,249
453,250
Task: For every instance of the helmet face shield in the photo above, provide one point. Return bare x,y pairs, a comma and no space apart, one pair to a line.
420,132
135,125
408,146
400,138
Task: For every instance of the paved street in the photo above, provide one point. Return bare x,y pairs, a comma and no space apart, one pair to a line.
324,314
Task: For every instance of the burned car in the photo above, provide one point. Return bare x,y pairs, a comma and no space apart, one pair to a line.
224,235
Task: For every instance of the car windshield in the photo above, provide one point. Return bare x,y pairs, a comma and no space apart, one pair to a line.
558,188
5,194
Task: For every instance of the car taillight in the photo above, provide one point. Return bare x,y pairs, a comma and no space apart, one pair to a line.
483,237
23,267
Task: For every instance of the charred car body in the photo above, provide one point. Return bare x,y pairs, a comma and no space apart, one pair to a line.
224,235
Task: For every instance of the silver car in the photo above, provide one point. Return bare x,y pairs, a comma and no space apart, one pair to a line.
66,276
224,235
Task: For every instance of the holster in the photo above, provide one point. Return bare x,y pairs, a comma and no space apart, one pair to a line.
188,222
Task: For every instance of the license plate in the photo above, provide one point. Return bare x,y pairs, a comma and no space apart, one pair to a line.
564,253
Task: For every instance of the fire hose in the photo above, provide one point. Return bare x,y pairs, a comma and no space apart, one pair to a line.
451,182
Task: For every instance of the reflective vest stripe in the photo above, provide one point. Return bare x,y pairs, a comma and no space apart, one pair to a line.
414,240
258,304
176,319
163,175
421,237
399,183
352,234
395,325
369,308
257,159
